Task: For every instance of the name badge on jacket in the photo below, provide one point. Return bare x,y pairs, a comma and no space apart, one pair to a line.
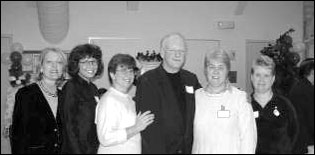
189,89
223,113
256,114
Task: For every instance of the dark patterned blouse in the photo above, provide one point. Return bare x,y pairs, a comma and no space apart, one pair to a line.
276,125
77,115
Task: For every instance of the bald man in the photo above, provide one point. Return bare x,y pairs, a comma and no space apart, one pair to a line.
168,92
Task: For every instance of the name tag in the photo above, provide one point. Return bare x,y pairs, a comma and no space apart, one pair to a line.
223,113
256,114
189,89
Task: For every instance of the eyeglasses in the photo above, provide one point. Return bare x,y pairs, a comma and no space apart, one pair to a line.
89,62
213,67
126,71
175,51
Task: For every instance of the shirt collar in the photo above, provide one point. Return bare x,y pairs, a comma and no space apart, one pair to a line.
118,92
81,80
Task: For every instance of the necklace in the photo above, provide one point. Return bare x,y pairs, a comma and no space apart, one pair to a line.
210,90
45,90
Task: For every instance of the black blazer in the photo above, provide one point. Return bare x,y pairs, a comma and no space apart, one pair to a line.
34,128
78,117
155,93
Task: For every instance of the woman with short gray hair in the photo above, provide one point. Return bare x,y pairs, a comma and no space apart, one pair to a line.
224,121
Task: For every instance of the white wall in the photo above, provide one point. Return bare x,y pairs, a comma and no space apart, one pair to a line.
195,20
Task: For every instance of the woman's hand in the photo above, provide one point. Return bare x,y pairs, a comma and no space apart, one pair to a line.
143,120
310,149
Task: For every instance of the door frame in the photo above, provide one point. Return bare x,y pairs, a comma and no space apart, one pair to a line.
249,60
5,146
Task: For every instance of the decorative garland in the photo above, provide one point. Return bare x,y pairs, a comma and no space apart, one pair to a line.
16,75
149,57
286,59
148,61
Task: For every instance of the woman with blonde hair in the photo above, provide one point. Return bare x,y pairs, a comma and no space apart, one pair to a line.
276,118
36,126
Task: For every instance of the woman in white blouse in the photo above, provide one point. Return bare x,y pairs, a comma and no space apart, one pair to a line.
118,125
224,120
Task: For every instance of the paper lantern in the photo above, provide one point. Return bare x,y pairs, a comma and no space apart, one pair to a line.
53,19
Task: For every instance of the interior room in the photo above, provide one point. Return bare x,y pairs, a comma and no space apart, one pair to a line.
243,28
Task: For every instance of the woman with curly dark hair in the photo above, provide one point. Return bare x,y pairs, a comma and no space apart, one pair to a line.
78,100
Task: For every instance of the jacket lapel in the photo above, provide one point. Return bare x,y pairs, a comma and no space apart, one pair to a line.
45,105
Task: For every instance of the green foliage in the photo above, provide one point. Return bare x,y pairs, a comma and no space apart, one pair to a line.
286,60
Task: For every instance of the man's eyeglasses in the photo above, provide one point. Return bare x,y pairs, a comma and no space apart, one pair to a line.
175,51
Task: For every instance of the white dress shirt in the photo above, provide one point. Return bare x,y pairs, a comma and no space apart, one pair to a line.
114,113
224,123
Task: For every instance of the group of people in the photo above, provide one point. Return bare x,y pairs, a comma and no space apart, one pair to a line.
171,112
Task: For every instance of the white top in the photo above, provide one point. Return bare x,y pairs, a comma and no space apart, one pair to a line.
224,123
114,113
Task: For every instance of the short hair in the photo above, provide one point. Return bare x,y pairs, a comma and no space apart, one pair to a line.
42,59
125,60
218,54
264,61
306,67
171,37
81,52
